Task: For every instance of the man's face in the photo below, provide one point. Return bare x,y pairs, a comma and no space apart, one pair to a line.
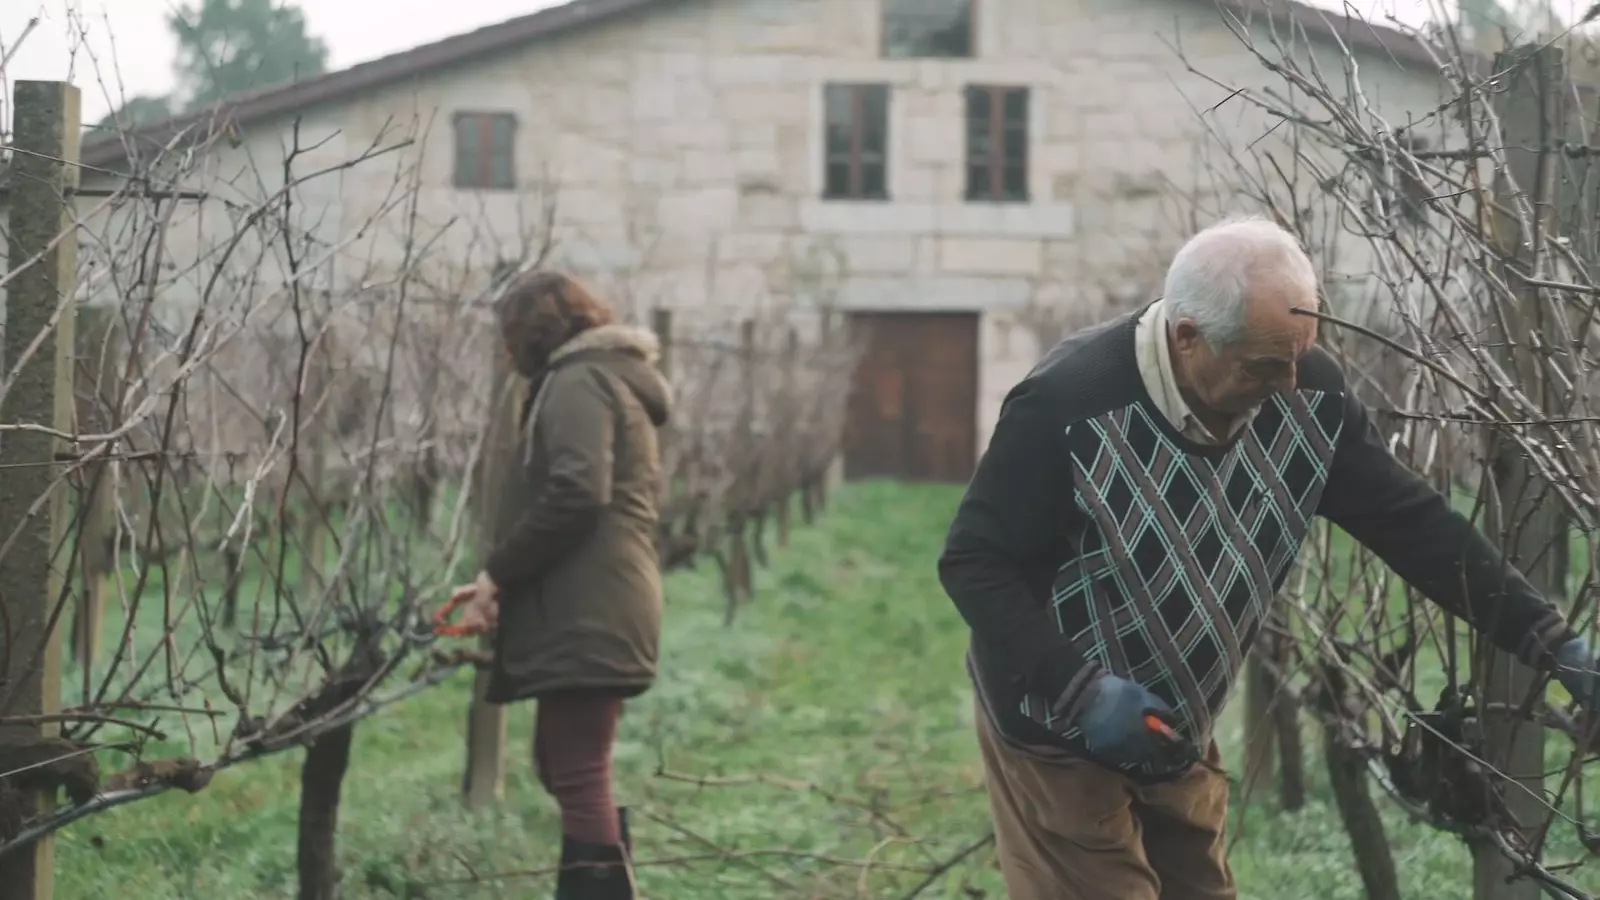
1238,378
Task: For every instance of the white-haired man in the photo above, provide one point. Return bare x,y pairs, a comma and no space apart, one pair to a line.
1142,498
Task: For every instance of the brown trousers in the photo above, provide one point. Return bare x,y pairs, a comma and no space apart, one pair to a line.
1075,830
573,733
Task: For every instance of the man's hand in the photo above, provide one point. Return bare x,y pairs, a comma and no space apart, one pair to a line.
482,610
1576,670
1113,722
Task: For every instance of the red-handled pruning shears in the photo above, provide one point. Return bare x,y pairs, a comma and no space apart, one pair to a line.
1154,723
1189,752
441,617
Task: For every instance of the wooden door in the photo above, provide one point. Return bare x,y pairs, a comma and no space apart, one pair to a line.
914,408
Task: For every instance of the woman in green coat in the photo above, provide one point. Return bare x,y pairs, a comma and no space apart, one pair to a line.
572,586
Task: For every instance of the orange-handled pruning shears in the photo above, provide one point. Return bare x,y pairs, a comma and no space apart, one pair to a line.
441,617
1154,723
1176,741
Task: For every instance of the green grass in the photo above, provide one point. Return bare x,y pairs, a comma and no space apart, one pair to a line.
830,723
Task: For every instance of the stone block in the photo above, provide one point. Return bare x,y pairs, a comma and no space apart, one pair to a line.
695,101
682,27
873,255
868,68
669,245
932,293
758,134
602,107
991,256
673,286
594,253
799,162
1059,258
587,162
864,217
683,65
759,247
653,100
763,163
658,171
593,207
949,185
768,26
735,70
765,104
697,210
767,211
1035,220
674,134
933,140
1114,124
742,285
914,183
706,168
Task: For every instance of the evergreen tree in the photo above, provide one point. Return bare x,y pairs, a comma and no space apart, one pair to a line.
228,47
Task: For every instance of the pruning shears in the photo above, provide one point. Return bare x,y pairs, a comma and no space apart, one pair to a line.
1182,748
1166,732
441,616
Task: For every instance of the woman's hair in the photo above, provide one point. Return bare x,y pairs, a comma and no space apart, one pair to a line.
540,311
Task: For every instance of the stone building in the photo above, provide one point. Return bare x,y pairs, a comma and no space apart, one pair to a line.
966,177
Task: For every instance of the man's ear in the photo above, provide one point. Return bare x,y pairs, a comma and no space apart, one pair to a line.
1185,336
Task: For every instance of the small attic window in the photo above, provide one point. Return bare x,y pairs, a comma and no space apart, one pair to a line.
485,153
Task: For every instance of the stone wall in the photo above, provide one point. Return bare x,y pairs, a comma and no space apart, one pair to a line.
683,148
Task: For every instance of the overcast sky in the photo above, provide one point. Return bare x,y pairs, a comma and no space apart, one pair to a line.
128,43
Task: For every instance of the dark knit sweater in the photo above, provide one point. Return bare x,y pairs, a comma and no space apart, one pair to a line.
1095,537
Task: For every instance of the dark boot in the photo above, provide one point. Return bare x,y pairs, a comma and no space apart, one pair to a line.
594,872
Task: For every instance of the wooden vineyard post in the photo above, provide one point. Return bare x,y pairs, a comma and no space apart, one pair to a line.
1289,742
814,464
1272,714
99,368
1532,524
792,446
1260,738
739,575
661,324
676,536
833,470
315,439
484,781
42,254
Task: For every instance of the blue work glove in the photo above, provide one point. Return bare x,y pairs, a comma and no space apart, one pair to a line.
1113,723
1575,669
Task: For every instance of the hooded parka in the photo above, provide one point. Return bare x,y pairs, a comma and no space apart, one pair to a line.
575,561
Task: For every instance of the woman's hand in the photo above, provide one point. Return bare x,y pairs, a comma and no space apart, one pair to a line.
481,612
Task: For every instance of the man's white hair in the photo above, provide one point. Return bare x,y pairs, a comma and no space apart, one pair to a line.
1210,278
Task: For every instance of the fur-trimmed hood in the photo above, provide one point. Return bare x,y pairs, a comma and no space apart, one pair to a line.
631,354
625,338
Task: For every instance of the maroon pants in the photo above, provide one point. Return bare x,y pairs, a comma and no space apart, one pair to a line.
572,738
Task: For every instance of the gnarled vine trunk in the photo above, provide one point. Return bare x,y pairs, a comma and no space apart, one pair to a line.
321,781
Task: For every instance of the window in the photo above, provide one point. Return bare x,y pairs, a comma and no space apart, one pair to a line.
997,144
486,151
857,142
927,28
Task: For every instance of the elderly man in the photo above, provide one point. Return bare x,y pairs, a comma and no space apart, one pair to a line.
1142,498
